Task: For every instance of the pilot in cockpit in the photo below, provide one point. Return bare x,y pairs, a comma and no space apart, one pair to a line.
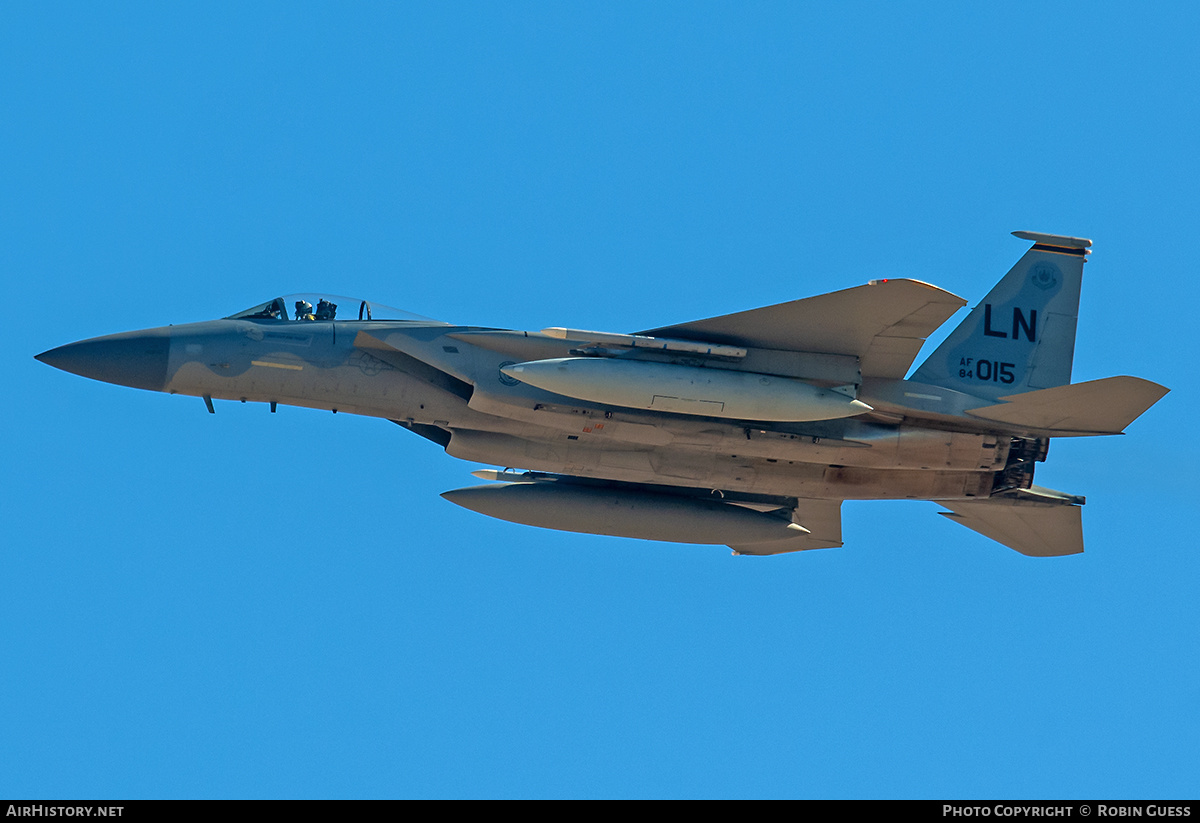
326,310
304,310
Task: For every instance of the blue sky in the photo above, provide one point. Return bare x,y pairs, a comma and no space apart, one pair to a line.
255,605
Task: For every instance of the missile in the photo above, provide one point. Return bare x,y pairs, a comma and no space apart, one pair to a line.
641,341
622,513
667,387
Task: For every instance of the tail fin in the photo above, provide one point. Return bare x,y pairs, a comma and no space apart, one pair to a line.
1022,336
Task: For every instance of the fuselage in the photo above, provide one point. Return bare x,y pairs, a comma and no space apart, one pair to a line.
447,383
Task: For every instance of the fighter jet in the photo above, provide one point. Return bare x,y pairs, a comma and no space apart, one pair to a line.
748,429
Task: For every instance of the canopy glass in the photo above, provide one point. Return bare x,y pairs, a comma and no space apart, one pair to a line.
312,306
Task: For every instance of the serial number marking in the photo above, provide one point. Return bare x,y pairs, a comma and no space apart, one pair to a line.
989,371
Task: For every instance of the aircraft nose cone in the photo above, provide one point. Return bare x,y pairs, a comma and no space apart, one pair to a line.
137,359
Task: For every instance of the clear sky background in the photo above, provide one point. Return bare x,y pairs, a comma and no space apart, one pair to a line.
256,605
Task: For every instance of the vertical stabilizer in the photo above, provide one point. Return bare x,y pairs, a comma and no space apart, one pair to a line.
1021,337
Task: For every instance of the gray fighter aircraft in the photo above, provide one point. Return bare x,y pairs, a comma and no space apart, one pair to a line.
748,429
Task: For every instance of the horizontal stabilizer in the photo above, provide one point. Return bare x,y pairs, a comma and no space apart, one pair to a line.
822,519
883,323
1104,406
1033,529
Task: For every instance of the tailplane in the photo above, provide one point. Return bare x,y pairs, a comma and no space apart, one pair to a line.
1021,337
1104,406
1036,522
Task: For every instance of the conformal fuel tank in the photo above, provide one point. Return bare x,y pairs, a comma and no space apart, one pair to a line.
622,513
667,387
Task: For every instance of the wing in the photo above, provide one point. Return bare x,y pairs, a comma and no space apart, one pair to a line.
883,323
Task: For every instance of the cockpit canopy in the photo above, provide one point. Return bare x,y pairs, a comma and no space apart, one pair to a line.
311,306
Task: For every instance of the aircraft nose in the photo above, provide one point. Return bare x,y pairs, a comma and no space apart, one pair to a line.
137,359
